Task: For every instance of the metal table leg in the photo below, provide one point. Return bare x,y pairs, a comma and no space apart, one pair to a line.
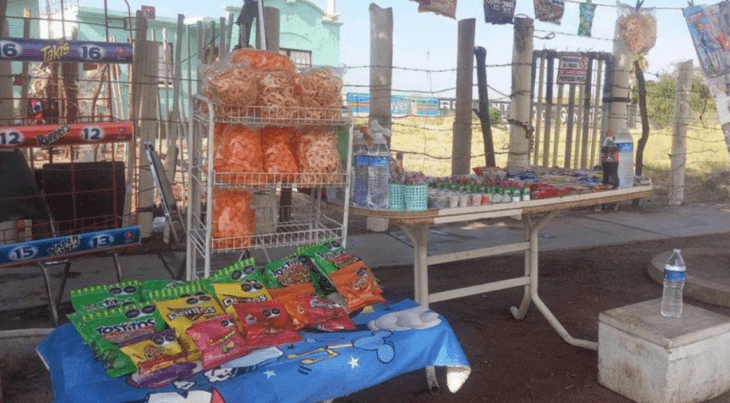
117,266
591,345
519,313
49,290
419,237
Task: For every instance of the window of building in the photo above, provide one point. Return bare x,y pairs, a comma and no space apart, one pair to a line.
301,58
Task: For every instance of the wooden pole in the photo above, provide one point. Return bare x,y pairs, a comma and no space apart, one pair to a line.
172,152
644,118
461,141
272,24
620,76
586,114
578,128
25,89
548,111
569,126
381,62
483,111
679,137
148,129
558,124
538,118
520,132
596,103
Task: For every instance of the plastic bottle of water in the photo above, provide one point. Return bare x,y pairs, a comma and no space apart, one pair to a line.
674,276
625,144
378,167
360,171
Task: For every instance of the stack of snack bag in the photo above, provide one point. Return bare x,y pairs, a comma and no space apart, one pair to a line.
160,331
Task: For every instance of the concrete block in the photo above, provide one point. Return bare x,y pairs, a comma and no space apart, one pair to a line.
652,359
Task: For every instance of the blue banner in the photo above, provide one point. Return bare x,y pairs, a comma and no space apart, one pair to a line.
60,50
67,245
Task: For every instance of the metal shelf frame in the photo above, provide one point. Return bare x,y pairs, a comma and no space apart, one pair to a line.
308,224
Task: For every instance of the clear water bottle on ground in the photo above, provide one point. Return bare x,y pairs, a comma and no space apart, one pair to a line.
360,150
625,144
674,277
378,167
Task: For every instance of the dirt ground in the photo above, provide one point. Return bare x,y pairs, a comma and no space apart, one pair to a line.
511,361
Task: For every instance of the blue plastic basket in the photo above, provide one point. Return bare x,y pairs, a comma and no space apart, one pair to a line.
396,196
416,197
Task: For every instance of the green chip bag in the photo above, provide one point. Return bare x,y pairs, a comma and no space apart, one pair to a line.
154,285
194,287
103,296
105,330
291,270
239,272
329,256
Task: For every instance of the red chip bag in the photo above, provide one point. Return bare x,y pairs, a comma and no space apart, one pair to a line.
357,284
217,340
266,324
317,312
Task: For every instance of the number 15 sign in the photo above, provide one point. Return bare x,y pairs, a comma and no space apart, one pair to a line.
44,50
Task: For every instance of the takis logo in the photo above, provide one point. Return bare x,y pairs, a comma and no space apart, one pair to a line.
52,137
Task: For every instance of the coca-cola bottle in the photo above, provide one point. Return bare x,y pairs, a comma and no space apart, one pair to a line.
609,162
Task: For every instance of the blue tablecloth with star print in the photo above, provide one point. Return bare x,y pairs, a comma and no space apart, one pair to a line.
392,339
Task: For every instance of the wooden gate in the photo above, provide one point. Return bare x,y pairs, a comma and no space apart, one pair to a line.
567,123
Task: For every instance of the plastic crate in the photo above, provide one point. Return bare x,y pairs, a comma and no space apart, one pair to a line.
416,197
396,196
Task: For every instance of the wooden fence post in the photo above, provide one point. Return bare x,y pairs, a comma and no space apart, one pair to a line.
461,141
520,132
679,137
483,111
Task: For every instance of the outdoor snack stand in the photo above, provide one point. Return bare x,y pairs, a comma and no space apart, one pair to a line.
535,214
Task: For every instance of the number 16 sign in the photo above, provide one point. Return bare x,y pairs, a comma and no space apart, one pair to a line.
45,50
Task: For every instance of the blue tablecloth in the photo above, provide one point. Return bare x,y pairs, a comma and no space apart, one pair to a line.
396,338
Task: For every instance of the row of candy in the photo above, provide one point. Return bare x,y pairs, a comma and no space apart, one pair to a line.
162,330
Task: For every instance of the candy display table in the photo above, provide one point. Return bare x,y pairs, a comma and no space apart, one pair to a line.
535,214
397,337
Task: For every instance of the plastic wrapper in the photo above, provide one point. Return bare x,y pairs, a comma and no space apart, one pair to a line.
279,96
217,340
637,28
234,219
549,10
330,256
244,270
278,154
262,60
357,284
230,85
105,330
443,7
319,160
587,12
237,152
288,271
321,89
102,297
499,11
154,355
313,311
240,293
150,286
266,324
183,306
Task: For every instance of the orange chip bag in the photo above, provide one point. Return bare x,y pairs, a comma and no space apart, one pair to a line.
357,284
278,154
234,219
262,60
314,311
238,150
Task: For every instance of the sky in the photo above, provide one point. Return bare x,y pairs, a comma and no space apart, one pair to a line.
429,41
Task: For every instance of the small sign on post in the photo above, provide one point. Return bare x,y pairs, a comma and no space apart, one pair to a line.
572,69
148,12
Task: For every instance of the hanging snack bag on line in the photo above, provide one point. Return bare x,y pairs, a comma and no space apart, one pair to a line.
549,10
218,340
238,155
499,11
446,8
587,12
637,28
158,357
234,219
183,306
105,330
279,160
103,296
